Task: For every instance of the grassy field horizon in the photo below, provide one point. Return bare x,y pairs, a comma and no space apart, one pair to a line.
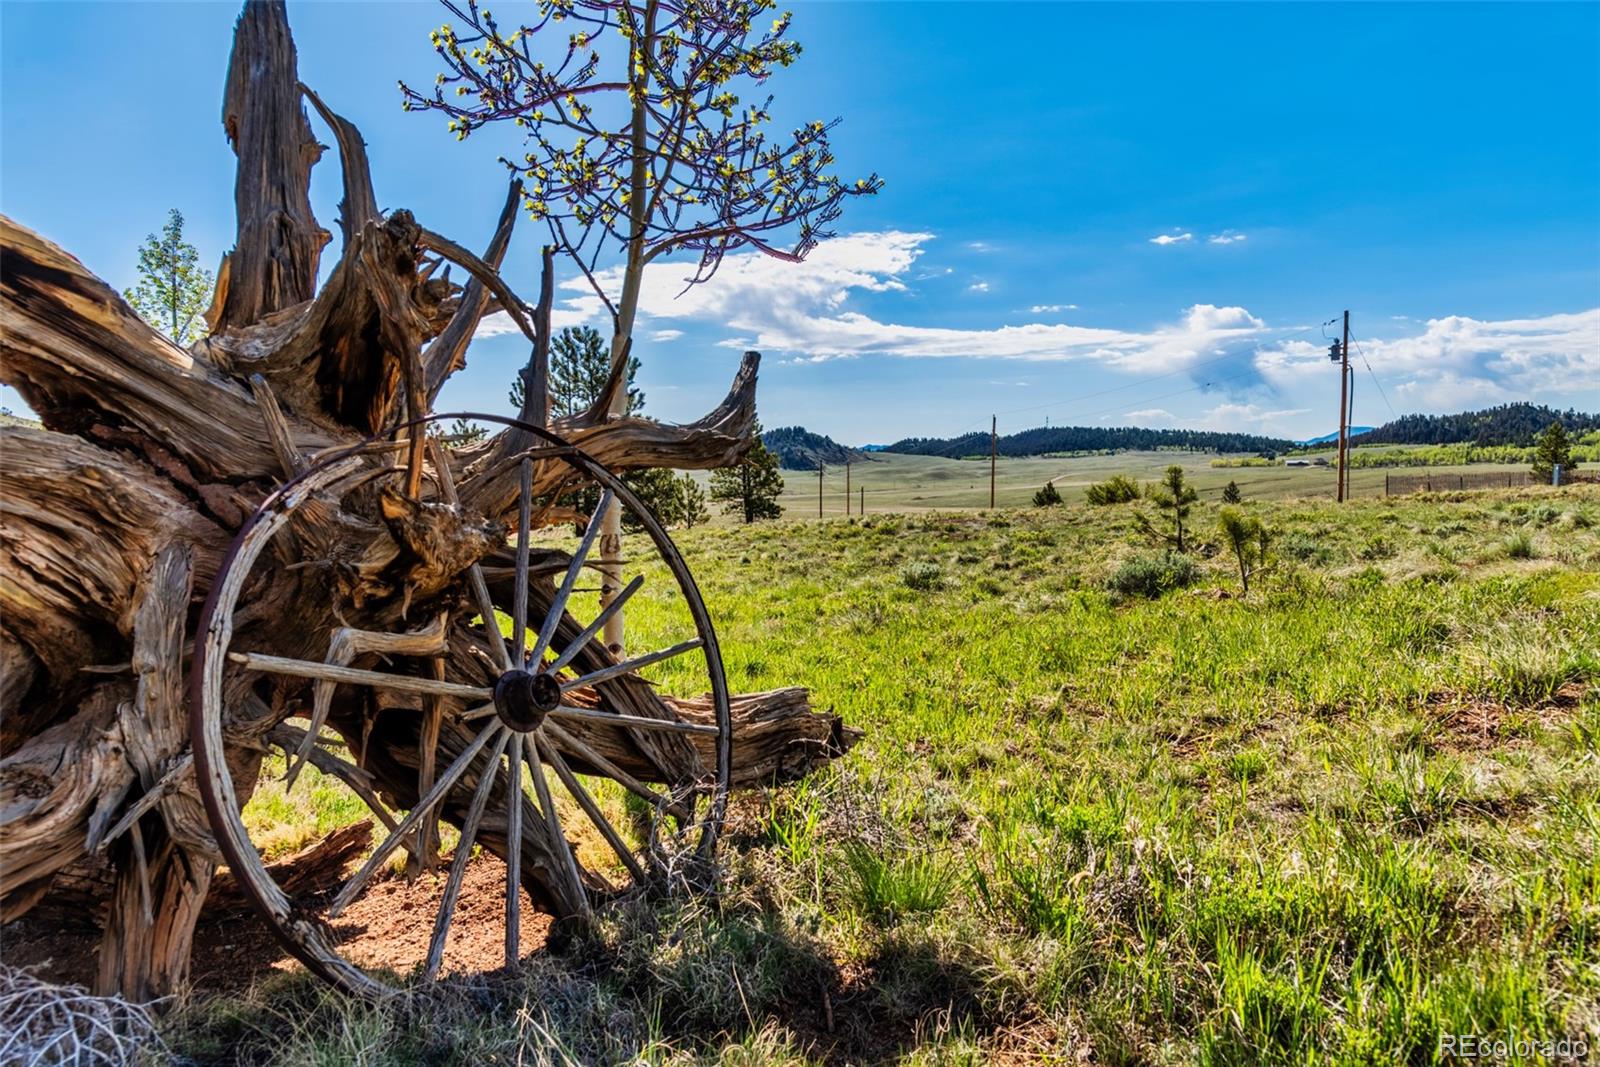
896,482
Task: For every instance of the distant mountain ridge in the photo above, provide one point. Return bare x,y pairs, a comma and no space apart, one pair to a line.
798,449
1507,424
1043,439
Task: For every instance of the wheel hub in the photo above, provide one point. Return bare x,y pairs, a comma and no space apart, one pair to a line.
522,699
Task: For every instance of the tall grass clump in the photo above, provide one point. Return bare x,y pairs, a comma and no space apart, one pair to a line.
1519,546
888,888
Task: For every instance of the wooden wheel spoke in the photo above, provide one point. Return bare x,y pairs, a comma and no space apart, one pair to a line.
458,864
514,800
633,722
404,683
590,808
558,606
631,665
491,623
519,621
424,808
579,642
615,773
478,712
346,644
565,860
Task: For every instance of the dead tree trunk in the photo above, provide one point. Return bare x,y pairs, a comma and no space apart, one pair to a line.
114,517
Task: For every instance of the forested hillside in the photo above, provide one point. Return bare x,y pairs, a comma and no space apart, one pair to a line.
1047,439
1508,424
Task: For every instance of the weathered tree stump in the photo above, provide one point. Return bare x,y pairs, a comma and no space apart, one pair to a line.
114,518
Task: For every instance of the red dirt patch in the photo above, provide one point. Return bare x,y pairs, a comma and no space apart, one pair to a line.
388,927
1473,724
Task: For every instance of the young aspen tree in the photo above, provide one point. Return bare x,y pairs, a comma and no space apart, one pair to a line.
638,145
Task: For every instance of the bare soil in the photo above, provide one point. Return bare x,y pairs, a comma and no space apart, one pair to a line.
387,927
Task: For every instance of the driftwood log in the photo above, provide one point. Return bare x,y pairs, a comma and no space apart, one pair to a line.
114,517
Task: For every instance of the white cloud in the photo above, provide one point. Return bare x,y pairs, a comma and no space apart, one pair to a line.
1249,418
1227,237
665,335
1459,362
980,246
1051,309
500,324
1171,238
978,287
1206,318
802,310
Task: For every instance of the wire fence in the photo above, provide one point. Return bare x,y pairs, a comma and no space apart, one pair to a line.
1402,484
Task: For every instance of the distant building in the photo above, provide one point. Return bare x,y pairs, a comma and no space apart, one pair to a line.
1298,462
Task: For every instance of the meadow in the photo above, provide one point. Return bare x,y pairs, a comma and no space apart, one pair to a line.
1108,809
901,483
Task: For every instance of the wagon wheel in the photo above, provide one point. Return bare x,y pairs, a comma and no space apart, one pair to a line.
464,684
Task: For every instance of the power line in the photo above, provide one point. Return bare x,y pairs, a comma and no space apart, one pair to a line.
1392,413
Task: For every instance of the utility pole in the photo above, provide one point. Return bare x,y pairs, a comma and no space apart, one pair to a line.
863,510
993,448
847,487
1344,407
820,467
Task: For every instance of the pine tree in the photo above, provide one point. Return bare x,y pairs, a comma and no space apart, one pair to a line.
1552,448
691,502
173,292
1247,538
1174,495
657,487
580,366
1231,494
751,488
1047,497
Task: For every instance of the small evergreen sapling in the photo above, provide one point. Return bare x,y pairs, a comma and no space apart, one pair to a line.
1247,538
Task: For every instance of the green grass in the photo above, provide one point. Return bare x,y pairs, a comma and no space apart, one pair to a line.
901,483
1325,823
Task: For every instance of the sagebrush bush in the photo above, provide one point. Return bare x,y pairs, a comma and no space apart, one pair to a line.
1304,548
1119,489
1153,574
921,576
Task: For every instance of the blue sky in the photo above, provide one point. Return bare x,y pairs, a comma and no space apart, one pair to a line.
1093,213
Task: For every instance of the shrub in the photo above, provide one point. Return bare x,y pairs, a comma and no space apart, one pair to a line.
1304,548
1047,497
1519,546
1377,547
1119,489
1231,493
1153,574
921,576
